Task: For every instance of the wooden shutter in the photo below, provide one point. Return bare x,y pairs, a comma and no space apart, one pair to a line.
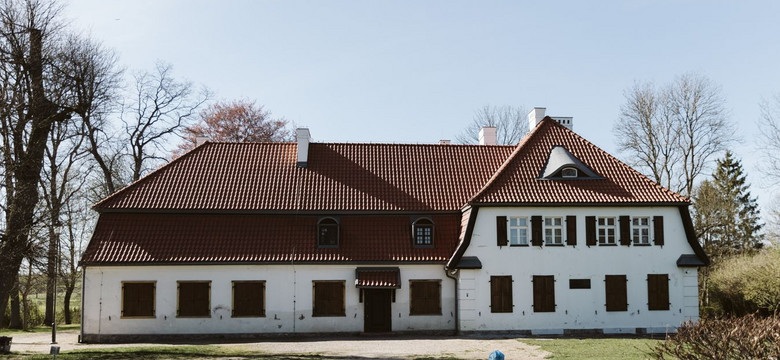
590,230
426,297
500,294
615,286
248,298
544,293
501,238
658,230
328,298
658,292
571,230
194,298
536,231
625,230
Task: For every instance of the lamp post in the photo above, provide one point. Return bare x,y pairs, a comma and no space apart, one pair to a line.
54,302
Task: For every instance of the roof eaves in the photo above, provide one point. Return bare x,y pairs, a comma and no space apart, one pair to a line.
466,241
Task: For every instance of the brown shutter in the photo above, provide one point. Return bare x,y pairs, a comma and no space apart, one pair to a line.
615,286
500,294
658,230
590,230
625,230
658,292
536,231
571,230
544,293
437,296
501,238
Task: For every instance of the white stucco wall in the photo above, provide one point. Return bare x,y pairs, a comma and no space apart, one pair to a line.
577,308
288,300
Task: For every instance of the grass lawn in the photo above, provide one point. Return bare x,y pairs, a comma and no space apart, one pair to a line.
159,352
38,329
617,349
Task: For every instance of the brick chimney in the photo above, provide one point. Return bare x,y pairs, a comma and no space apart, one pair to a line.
487,135
304,138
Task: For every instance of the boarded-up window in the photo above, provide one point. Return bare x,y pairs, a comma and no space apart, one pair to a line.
658,230
194,298
501,238
579,283
249,298
590,230
328,298
544,293
571,230
501,294
658,292
615,286
138,299
425,297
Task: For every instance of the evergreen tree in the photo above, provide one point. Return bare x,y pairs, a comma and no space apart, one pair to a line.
727,216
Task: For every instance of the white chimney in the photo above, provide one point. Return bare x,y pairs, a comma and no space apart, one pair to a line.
535,117
200,140
445,142
303,137
487,135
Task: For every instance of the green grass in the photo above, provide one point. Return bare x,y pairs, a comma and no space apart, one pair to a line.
607,349
38,329
163,352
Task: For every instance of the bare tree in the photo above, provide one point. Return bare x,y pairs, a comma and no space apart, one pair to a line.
510,122
674,132
161,107
770,136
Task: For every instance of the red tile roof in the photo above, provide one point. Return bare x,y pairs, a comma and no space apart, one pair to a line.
517,181
342,177
223,238
386,278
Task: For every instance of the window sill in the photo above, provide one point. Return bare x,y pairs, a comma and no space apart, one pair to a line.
138,317
641,244
519,245
247,316
554,245
431,314
194,317
423,246
340,315
501,312
608,244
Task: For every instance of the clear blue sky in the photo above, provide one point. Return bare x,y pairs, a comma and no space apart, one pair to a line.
415,71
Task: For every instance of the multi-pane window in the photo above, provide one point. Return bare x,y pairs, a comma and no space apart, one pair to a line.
605,229
501,294
328,233
640,230
553,230
423,232
194,298
425,297
328,298
138,299
248,298
518,231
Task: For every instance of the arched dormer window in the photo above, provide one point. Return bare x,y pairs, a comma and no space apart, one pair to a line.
328,233
422,232
569,172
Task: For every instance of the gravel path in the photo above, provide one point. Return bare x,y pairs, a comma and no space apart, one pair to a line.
470,347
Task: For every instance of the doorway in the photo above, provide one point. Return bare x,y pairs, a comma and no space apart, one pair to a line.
376,309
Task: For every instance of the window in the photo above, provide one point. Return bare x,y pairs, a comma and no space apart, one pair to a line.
423,232
640,230
194,299
138,299
248,299
425,297
518,231
658,292
328,298
579,283
544,293
328,233
605,228
569,172
553,230
615,287
501,294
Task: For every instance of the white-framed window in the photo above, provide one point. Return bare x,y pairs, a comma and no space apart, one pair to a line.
423,232
640,230
606,229
518,230
553,230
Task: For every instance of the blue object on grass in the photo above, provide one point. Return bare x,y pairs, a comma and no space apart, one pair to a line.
496,355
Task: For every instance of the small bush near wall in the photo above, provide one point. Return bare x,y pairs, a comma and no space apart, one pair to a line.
747,284
747,337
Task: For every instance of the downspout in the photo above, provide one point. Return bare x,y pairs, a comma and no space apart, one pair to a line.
457,307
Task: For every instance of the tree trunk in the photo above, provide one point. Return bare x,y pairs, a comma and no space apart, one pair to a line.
16,311
66,304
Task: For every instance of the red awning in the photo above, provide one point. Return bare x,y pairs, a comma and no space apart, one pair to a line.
378,278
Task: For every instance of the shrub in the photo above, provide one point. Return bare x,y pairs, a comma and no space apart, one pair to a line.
747,337
746,284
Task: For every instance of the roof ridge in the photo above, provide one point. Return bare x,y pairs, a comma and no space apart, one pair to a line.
197,148
350,143
509,159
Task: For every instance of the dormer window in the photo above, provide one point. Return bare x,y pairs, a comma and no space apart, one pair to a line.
328,233
569,172
422,231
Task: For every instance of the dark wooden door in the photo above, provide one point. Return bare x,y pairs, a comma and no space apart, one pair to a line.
376,309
